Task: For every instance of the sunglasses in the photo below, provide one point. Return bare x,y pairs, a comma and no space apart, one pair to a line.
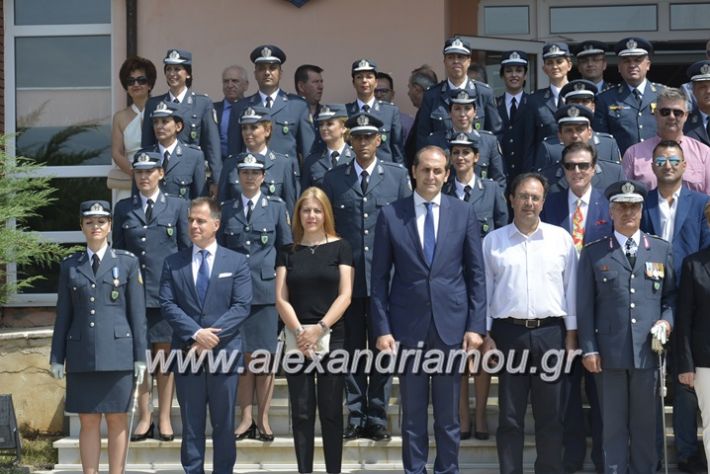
140,80
581,166
665,112
661,161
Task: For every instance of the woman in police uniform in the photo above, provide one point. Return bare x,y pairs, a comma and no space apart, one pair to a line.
486,197
281,174
331,125
256,224
152,226
99,337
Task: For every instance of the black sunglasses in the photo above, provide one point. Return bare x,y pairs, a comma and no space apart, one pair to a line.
140,80
582,166
665,112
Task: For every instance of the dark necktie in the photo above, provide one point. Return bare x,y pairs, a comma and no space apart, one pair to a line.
429,236
175,100
149,210
95,262
166,159
513,109
363,181
250,206
365,108
467,193
334,159
224,127
631,251
267,102
203,277
638,95
557,101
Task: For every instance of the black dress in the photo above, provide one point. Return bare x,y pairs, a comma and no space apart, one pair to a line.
313,281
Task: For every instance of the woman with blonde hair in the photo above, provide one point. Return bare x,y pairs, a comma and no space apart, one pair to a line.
314,280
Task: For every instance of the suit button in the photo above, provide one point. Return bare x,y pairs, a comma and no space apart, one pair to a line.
632,290
633,320
143,265
367,248
92,299
91,324
93,285
74,288
145,226
366,232
93,311
364,199
128,334
248,255
604,279
142,239
142,252
632,276
365,215
632,305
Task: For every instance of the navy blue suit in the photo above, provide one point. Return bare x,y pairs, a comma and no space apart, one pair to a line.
598,224
226,306
432,304
540,114
549,151
695,128
390,148
605,173
516,138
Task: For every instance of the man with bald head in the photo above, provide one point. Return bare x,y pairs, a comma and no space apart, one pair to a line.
234,84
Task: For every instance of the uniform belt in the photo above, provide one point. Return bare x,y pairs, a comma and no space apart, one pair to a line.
532,323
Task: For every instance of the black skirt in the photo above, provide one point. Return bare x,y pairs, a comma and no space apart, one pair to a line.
99,392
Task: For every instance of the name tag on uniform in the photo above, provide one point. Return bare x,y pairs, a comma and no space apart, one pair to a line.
618,107
224,275
654,270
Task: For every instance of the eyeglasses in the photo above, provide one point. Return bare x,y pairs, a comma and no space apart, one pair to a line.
665,112
140,80
584,166
661,161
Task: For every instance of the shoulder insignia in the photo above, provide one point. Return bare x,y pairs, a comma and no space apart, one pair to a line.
604,135
603,239
193,146
484,132
274,198
124,252
73,255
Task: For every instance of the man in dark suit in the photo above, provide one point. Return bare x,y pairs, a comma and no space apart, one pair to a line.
676,214
625,291
292,133
234,84
435,298
205,295
698,124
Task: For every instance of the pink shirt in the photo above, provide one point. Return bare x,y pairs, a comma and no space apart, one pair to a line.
637,163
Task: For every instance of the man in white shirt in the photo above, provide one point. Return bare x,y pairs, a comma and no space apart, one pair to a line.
530,283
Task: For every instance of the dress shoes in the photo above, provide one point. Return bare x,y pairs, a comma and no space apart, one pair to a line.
691,465
249,433
146,435
377,433
353,432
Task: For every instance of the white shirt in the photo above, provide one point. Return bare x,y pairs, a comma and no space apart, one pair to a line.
530,277
572,207
555,92
667,212
101,252
509,100
600,85
273,96
420,213
180,97
254,200
169,149
454,87
460,192
369,169
370,103
197,259
621,238
144,199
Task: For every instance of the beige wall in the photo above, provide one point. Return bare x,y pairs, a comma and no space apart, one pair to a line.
329,33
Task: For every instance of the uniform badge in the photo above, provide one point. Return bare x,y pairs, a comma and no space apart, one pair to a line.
114,295
170,231
656,285
653,107
193,134
264,239
603,268
116,282
272,188
383,136
285,129
478,125
485,227
183,191
655,270
247,228
484,174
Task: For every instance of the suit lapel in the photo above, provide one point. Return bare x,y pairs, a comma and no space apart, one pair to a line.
376,178
500,102
411,225
107,263
239,210
618,253
649,95
627,97
186,271
654,213
681,212
444,217
593,211
550,100
137,209
353,179
174,157
476,194
84,267
279,103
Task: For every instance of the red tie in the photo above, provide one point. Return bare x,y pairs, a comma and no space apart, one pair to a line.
577,228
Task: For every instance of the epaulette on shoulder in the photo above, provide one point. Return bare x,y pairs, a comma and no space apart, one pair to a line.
391,164
71,256
274,198
384,102
479,83
657,237
604,134
200,94
603,239
193,146
485,132
124,252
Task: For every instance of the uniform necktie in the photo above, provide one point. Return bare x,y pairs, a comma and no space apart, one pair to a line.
577,227
203,277
95,262
166,159
250,206
365,108
363,181
175,100
557,101
631,251
638,95
467,193
334,159
267,102
429,236
149,210
513,109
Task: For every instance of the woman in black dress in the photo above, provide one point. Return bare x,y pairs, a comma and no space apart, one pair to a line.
314,279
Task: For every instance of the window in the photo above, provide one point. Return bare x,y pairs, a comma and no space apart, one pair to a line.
621,18
509,20
690,16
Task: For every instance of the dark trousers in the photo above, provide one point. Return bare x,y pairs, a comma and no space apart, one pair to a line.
546,398
366,399
445,391
196,393
304,394
575,430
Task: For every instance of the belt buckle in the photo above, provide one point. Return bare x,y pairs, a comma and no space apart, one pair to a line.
532,323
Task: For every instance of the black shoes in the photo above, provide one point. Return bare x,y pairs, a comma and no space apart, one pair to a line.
146,435
266,437
352,432
249,433
691,465
377,433
164,437
482,435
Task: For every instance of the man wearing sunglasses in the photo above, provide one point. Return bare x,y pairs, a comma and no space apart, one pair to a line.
671,115
677,215
698,124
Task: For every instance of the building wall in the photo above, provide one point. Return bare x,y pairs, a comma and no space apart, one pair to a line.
331,34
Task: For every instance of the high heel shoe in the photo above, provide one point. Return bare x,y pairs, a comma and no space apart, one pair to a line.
266,437
146,435
165,437
466,434
249,433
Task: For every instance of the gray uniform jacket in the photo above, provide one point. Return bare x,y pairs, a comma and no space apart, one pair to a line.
390,148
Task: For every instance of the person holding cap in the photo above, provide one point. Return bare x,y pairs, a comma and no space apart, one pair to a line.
281,174
627,110
364,74
183,165
698,124
99,338
256,225
433,115
196,110
358,192
591,63
331,125
293,133
152,226
626,297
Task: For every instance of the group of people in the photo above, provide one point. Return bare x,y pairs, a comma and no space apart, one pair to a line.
526,224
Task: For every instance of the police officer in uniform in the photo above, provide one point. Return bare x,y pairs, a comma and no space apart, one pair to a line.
281,173
331,126
293,131
627,110
364,74
198,114
625,291
358,192
462,110
99,337
152,226
256,225
591,63
698,124
515,138
184,165
433,114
